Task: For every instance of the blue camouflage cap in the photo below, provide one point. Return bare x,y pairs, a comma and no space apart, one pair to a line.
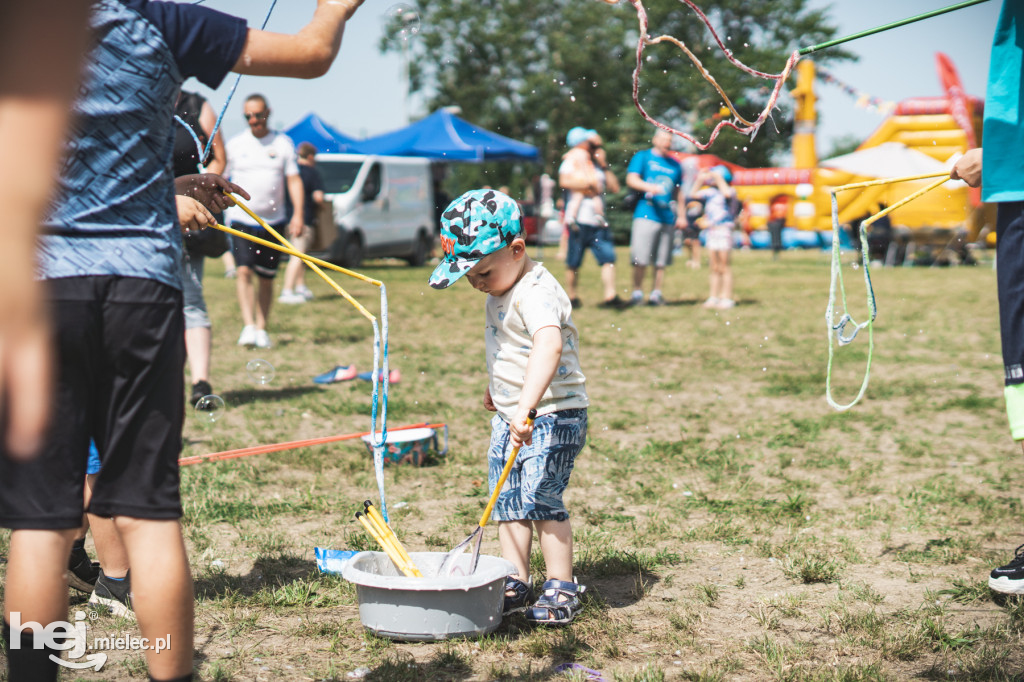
477,224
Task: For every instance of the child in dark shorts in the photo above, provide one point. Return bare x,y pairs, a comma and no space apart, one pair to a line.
533,363
110,259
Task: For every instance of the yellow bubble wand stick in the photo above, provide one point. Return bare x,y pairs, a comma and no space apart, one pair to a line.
380,368
313,263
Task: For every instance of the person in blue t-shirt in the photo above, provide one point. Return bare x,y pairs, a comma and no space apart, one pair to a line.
659,213
110,259
999,170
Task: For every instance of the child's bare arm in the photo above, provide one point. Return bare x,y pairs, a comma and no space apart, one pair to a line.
540,369
192,215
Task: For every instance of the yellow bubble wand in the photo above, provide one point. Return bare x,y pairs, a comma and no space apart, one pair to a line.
380,369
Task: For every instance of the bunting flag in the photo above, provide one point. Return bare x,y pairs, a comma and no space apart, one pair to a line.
862,99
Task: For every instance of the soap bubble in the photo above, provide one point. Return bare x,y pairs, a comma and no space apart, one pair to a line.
209,408
402,22
260,371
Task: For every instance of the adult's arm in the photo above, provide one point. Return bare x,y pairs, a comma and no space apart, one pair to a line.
41,47
296,193
306,54
634,181
207,120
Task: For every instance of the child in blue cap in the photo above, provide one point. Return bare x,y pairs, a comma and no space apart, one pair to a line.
532,351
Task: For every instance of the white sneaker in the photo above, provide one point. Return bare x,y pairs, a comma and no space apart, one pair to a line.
656,298
248,336
262,339
305,293
637,298
711,303
291,297
726,303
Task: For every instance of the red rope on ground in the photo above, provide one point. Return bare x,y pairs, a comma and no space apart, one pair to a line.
278,447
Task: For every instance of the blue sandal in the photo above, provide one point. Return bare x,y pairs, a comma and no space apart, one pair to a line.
558,605
517,596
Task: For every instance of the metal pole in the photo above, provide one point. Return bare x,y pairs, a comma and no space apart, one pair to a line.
886,27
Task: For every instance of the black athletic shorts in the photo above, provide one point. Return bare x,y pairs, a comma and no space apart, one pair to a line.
120,381
262,259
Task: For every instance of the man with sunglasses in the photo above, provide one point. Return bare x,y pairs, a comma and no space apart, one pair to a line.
265,163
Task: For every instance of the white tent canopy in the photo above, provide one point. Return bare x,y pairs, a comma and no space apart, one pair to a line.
887,160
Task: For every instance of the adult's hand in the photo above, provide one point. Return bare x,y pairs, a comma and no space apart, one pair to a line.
209,189
296,227
968,168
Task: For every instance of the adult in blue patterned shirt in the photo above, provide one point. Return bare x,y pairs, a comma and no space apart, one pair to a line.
110,258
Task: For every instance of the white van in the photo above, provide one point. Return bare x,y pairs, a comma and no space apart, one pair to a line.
382,206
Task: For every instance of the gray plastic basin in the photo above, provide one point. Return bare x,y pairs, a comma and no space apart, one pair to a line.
428,609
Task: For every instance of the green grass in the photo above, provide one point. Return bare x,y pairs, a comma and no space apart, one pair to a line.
728,524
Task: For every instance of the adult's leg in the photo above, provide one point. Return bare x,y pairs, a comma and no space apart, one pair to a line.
1010,286
162,594
198,345
659,278
571,280
573,259
246,294
608,280
295,271
198,337
638,277
601,246
265,298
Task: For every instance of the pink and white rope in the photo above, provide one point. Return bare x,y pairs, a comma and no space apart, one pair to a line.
741,125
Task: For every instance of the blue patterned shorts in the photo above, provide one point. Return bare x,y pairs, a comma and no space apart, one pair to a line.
541,472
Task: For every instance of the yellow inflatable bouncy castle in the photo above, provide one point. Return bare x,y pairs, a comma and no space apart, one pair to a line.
920,135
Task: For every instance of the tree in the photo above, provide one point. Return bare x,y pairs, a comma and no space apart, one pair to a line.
532,70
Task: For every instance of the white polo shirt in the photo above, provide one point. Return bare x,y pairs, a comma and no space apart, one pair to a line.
260,166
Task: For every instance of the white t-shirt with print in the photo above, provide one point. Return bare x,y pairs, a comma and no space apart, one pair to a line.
259,165
534,302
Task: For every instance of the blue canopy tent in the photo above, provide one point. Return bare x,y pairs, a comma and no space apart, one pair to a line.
320,134
443,136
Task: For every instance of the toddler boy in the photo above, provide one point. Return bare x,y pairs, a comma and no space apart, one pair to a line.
532,350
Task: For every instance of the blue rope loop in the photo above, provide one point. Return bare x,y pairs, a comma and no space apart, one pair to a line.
199,144
380,370
231,93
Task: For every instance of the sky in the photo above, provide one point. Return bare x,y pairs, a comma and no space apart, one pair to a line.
364,92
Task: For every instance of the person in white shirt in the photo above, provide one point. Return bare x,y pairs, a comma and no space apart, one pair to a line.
265,163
